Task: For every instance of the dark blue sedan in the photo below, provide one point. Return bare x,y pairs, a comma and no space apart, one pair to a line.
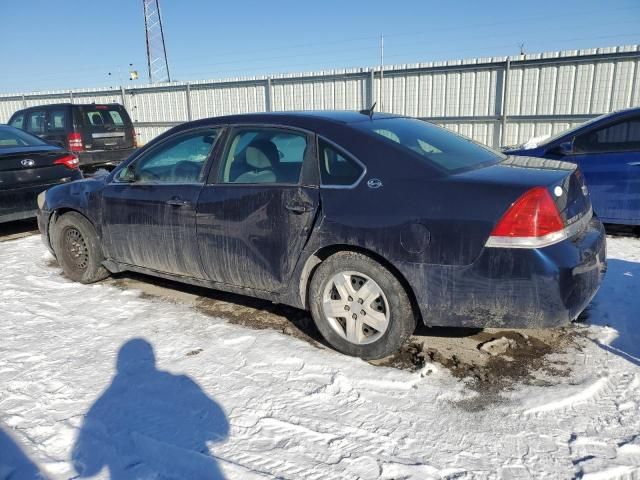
607,149
373,223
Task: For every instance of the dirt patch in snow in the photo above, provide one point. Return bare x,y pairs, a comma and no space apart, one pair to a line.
490,361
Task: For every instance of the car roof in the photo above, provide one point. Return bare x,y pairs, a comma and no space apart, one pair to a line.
294,117
67,104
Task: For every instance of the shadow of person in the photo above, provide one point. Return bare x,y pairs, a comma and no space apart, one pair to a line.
14,464
149,424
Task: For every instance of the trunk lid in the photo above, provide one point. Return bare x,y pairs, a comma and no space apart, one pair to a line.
565,183
27,166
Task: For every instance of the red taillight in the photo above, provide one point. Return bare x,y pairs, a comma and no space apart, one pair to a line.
135,138
534,214
75,142
69,161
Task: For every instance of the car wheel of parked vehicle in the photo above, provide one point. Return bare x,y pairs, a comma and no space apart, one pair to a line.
77,248
359,306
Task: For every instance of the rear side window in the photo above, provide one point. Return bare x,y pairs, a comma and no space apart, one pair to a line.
447,150
264,155
18,121
36,121
57,120
619,137
337,168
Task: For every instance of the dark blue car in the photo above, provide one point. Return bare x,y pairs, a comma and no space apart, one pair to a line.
373,223
607,149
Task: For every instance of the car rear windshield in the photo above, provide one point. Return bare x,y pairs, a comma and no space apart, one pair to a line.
12,137
105,116
447,150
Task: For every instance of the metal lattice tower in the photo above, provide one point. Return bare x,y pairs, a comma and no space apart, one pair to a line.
156,49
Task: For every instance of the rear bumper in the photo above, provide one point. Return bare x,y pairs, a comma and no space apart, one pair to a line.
514,287
104,157
21,203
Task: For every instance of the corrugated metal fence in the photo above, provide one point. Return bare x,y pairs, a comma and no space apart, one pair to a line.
497,101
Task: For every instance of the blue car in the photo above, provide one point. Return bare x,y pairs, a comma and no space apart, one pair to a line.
373,222
607,150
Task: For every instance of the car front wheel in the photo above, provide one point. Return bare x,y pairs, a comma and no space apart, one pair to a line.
359,306
77,248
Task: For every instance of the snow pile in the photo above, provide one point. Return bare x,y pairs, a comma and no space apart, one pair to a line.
105,383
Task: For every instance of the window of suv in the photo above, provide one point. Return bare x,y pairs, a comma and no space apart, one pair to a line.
104,115
36,121
18,121
619,137
57,120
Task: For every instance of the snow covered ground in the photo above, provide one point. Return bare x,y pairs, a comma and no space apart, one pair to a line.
104,383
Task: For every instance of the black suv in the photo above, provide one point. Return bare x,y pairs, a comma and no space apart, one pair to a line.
101,135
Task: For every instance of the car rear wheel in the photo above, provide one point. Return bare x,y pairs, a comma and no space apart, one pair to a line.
359,306
77,248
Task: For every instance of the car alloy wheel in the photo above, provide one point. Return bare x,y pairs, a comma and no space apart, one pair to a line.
356,307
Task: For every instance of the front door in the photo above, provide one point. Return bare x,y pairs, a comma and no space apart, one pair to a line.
149,208
255,215
610,159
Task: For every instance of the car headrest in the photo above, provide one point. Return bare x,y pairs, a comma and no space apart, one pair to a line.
262,154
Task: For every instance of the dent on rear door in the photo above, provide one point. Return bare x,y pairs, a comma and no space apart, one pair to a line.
247,236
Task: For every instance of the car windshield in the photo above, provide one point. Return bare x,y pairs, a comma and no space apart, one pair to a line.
12,137
447,150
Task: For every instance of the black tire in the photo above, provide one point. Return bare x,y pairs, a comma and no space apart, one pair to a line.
77,248
402,319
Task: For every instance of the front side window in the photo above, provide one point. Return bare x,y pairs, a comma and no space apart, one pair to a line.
36,122
264,156
447,150
336,168
619,137
178,160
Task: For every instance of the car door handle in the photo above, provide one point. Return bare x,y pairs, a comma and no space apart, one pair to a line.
298,207
176,202
634,164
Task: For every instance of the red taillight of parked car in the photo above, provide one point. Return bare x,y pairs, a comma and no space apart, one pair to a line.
75,142
532,216
69,161
135,138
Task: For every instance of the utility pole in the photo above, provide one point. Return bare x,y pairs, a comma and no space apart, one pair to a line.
156,48
381,109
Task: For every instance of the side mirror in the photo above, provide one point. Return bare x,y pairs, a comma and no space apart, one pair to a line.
128,174
563,149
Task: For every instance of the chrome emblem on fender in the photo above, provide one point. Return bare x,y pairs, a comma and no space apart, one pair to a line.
27,162
374,183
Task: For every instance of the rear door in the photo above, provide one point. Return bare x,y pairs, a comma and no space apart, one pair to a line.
35,122
609,156
149,208
105,127
255,214
58,124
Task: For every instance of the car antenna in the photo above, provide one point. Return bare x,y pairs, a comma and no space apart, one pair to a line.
369,111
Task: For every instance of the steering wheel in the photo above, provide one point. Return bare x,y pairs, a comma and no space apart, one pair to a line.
185,170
